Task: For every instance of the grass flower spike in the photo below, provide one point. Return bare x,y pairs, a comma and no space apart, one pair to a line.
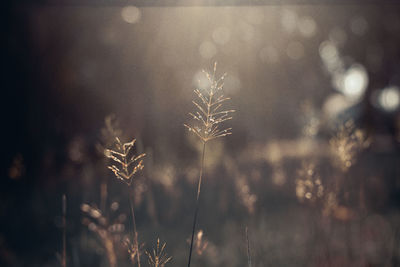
207,120
209,114
158,258
129,164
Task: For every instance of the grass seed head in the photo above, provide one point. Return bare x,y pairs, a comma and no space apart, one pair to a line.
125,164
209,114
158,258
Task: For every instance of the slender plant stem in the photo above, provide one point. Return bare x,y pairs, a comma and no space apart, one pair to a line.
103,196
248,247
64,223
134,234
197,202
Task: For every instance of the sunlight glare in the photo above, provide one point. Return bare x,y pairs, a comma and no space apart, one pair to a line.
355,82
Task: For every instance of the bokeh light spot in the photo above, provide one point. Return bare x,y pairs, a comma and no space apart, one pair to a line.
330,56
359,26
389,98
131,14
355,82
289,20
200,80
307,27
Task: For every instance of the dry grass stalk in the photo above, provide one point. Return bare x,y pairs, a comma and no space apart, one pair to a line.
135,233
103,195
128,166
158,258
208,118
108,134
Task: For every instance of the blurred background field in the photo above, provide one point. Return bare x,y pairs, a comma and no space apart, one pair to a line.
312,167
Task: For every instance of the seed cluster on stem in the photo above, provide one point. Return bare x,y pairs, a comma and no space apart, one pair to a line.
207,120
129,165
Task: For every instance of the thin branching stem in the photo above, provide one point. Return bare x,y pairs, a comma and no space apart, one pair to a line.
207,120
197,202
103,196
134,234
124,171
159,257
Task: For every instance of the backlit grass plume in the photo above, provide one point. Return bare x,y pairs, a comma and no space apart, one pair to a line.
125,167
207,125
158,258
209,114
129,164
